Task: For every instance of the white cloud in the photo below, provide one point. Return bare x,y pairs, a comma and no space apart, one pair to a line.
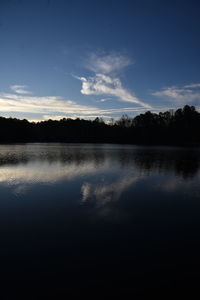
187,94
106,64
105,82
20,103
50,106
102,84
104,99
193,85
20,89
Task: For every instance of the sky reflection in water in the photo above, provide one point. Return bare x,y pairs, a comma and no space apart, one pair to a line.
106,171
111,212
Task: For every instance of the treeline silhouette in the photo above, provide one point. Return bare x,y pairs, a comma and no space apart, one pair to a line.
180,127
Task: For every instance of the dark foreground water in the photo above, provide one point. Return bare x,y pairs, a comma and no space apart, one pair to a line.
105,220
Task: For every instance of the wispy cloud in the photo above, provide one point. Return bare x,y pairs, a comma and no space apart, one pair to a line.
20,89
193,85
20,103
181,95
104,99
105,82
107,63
56,107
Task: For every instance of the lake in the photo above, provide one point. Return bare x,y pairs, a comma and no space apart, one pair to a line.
115,220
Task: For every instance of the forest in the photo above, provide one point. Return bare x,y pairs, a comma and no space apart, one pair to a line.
174,127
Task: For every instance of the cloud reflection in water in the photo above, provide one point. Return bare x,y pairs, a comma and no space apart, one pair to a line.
103,193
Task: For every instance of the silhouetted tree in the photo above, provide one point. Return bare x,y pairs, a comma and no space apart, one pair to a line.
170,128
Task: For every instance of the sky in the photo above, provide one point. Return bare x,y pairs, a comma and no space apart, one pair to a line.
91,59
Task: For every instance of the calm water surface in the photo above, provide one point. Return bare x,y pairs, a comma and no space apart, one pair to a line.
111,218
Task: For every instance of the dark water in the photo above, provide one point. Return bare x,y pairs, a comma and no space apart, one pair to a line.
107,220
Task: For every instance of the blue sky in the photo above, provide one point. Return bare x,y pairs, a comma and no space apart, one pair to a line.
97,58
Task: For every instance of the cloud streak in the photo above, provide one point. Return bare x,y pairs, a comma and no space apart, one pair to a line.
20,103
20,89
187,94
50,106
